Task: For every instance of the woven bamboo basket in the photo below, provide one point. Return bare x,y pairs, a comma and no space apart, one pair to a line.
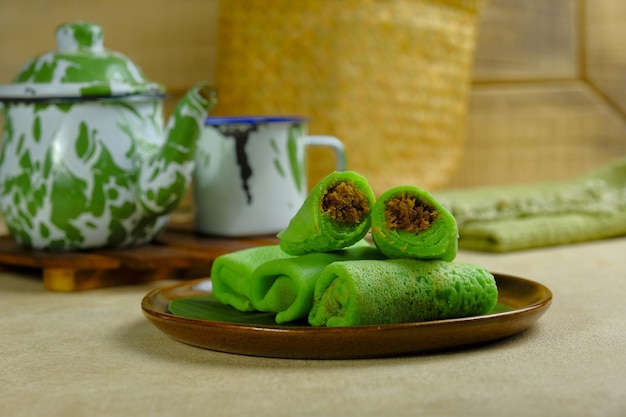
390,78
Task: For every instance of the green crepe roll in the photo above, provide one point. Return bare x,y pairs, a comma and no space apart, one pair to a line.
366,292
285,286
335,215
231,274
407,222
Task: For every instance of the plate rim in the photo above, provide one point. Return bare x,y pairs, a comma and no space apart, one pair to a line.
168,322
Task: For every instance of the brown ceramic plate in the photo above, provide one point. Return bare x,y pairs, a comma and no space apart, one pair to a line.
520,304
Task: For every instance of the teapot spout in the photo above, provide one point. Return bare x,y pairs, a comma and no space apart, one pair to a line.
163,180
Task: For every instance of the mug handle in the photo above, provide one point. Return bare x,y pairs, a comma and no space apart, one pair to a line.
331,142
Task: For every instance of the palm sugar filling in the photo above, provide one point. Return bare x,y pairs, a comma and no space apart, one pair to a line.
345,203
408,213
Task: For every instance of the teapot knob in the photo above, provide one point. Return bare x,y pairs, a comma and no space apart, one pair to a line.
79,36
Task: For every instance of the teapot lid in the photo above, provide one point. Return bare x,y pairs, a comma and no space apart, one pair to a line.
80,68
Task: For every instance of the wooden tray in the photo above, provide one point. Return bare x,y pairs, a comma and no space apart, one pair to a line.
177,253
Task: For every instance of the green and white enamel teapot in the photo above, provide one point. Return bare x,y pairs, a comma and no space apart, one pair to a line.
86,160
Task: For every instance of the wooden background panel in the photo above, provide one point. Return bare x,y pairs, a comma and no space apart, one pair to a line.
527,40
532,133
605,52
547,99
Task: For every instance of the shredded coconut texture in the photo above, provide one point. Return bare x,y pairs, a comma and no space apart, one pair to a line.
408,213
345,203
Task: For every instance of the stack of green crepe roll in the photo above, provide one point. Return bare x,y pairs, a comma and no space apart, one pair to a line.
325,271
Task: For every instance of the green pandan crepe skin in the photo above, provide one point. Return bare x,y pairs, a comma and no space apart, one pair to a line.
285,286
231,274
439,241
312,230
370,292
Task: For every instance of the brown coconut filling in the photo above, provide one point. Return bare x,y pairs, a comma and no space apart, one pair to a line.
345,203
408,213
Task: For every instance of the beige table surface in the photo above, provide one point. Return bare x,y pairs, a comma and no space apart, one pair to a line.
94,354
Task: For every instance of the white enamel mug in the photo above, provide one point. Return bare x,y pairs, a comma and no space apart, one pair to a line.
251,173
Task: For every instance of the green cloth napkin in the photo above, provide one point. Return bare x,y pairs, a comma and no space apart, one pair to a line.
366,292
231,273
501,219
285,286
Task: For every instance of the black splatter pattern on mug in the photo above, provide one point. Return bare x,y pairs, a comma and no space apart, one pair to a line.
240,134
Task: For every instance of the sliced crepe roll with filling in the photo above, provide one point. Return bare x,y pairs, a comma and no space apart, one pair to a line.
369,292
335,215
407,222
